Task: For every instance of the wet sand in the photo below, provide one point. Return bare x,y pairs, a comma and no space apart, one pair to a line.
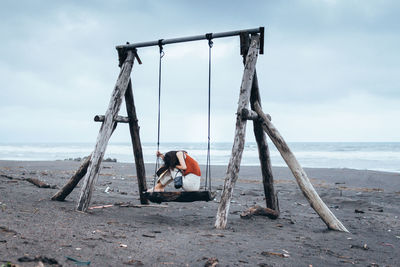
179,234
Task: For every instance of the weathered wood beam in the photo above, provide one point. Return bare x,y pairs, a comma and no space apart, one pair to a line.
301,177
105,133
136,144
271,197
240,133
248,114
73,181
117,119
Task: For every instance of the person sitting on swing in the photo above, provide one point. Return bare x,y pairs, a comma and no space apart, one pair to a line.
176,162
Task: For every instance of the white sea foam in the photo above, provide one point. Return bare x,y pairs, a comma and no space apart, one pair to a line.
373,156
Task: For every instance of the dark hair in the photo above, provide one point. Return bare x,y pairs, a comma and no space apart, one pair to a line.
170,159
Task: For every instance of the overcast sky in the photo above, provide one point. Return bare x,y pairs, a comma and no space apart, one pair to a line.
330,72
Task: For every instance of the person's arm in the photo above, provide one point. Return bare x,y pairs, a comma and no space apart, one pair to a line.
182,163
160,155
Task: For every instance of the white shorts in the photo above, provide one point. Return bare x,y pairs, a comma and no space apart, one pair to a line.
191,182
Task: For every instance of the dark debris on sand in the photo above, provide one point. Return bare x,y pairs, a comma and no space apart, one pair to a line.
179,234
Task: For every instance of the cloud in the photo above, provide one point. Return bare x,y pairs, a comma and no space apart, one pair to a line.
326,63
358,117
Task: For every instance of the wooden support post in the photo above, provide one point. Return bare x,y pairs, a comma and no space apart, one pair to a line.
301,177
261,139
248,114
100,118
73,181
271,197
136,144
240,133
105,133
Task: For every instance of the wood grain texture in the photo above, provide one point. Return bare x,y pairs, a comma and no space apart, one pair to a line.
240,133
136,144
100,118
248,114
301,177
73,181
105,132
271,197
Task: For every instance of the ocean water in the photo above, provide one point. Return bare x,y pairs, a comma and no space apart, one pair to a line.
367,155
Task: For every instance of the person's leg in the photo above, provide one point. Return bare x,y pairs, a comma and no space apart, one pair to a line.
164,179
159,187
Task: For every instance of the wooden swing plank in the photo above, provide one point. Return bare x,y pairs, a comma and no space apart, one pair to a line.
183,196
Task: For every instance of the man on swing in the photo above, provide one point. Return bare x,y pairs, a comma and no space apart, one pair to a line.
176,162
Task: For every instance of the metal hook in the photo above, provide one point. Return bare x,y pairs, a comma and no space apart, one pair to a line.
209,38
162,53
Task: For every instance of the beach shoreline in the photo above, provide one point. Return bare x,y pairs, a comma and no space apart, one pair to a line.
180,234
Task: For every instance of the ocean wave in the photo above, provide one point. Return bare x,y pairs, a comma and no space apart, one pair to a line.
373,156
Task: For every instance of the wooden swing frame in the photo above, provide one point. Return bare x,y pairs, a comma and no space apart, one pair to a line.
251,44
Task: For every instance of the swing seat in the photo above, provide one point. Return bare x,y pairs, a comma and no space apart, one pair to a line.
182,196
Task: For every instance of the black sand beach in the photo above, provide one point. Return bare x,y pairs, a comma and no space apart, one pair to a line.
178,234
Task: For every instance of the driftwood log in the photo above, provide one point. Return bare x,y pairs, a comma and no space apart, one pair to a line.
73,181
240,133
301,177
105,133
39,183
259,211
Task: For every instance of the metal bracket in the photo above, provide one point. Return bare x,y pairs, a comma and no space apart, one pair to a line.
122,53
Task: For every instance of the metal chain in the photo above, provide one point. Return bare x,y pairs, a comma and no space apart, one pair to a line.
159,110
208,165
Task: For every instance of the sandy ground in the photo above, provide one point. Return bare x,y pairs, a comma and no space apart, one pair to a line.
177,234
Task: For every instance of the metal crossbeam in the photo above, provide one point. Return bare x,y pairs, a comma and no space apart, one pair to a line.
259,30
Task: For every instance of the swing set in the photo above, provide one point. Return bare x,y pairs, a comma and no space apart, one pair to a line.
203,195
251,44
